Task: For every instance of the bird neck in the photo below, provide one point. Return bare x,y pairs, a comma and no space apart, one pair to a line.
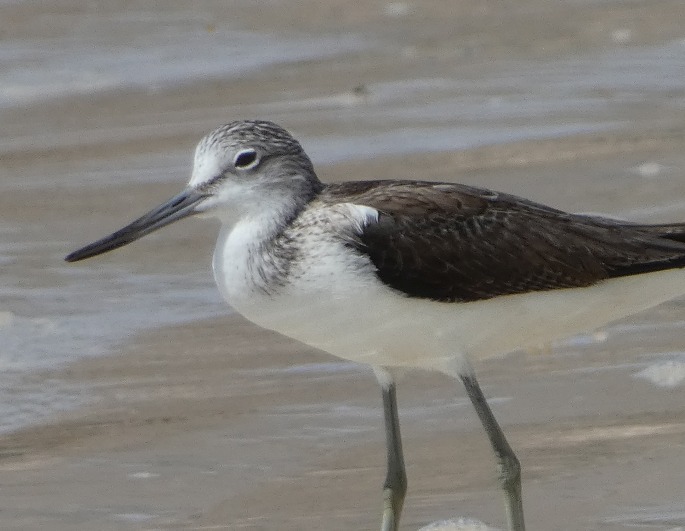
248,259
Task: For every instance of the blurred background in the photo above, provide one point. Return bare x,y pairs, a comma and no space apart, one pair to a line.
132,398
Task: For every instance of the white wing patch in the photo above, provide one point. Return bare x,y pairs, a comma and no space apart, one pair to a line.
361,216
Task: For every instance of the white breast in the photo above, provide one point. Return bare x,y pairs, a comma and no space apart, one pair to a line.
334,301
322,263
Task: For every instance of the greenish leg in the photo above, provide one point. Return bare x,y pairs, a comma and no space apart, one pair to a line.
395,485
508,466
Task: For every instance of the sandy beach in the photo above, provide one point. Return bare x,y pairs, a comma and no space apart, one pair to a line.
207,422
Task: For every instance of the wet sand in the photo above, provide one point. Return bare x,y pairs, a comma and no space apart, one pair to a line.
218,425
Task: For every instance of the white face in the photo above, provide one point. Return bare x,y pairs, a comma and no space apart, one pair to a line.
207,165
245,178
231,174
213,159
242,170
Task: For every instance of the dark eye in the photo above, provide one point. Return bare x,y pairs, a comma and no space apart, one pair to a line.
245,158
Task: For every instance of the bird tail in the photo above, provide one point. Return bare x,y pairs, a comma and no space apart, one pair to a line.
670,231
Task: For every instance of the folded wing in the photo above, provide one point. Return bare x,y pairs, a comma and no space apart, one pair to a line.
450,242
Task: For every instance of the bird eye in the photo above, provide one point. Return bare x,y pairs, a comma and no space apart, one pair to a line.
245,159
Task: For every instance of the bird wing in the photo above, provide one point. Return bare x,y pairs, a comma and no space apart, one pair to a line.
451,242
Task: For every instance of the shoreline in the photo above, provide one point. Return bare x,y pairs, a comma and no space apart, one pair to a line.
211,408
239,427
213,424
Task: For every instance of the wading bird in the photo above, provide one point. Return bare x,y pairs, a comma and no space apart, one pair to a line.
408,274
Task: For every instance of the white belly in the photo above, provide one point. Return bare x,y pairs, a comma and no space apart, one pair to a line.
363,321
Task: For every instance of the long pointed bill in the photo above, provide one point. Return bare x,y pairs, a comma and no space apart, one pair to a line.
176,208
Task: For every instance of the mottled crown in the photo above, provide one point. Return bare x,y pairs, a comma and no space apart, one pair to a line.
280,160
272,138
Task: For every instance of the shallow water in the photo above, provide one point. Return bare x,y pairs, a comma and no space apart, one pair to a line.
95,50
75,312
53,313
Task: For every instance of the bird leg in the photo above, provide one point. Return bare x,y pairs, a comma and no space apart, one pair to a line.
508,466
395,485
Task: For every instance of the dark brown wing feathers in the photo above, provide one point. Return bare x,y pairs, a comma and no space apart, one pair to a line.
451,242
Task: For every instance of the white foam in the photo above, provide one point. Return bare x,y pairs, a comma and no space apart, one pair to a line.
459,524
649,169
669,373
